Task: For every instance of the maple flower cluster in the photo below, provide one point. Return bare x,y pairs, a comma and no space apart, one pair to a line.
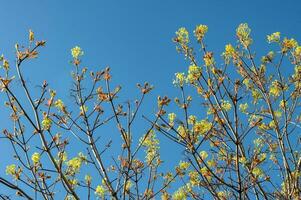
76,52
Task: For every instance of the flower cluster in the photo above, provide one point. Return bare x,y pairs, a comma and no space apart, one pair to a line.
229,52
46,123
62,156
268,58
31,36
76,52
180,79
194,73
297,52
243,107
182,36
75,164
288,44
243,33
5,64
257,172
275,88
13,171
183,165
59,104
182,132
226,105
256,95
35,158
151,143
206,173
180,194
192,119
171,118
100,191
208,59
203,155
202,127
274,37
200,31
194,178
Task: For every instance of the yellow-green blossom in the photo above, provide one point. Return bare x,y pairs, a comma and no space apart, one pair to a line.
297,52
243,160
191,119
59,105
243,107
180,194
73,182
202,127
278,113
254,119
275,89
211,163
274,37
272,124
76,52
182,132
200,31
257,172
165,196
46,123
194,73
182,36
70,197
256,95
35,158
62,156
31,35
209,59
259,143
52,93
183,165
5,64
282,104
203,155
229,52
262,157
268,58
205,172
10,169
222,195
74,164
243,33
83,109
82,157
13,171
180,78
171,118
247,83
100,191
273,158
194,178
226,105
128,185
263,126
151,143
288,44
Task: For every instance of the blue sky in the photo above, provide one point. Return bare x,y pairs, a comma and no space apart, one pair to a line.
132,37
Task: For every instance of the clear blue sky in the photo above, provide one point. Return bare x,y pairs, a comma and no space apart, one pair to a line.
132,37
